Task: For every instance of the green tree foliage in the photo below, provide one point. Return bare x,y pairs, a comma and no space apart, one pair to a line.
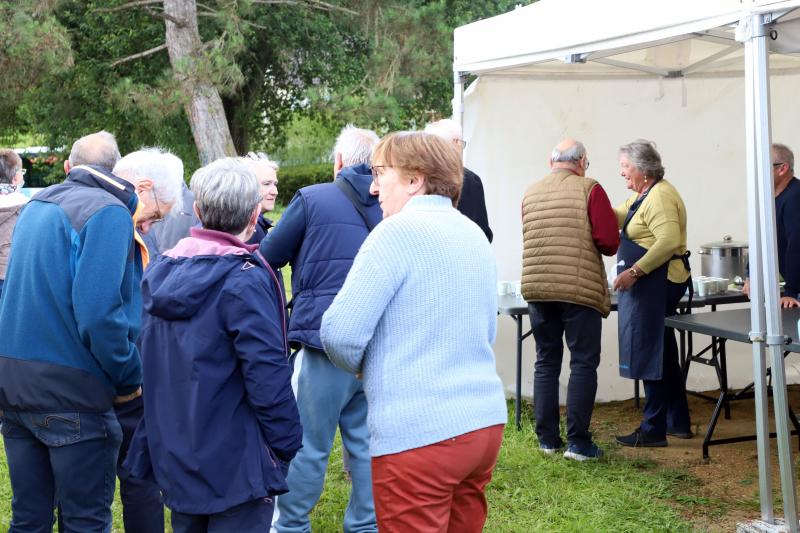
287,71
33,45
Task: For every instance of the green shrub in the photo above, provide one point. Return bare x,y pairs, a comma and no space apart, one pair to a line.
290,179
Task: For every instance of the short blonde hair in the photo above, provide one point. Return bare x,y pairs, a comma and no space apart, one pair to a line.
427,154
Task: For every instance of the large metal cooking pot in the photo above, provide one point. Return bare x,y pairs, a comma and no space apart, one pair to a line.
724,259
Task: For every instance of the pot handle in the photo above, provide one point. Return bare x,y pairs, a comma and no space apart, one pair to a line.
702,252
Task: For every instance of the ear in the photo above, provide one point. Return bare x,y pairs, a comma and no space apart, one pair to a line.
144,184
255,215
66,166
197,213
550,162
338,164
416,185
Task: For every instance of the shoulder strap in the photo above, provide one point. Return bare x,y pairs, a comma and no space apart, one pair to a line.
348,191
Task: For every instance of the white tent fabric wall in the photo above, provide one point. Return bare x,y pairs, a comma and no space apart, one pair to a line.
669,70
511,125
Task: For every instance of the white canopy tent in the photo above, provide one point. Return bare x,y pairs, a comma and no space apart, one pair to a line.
696,77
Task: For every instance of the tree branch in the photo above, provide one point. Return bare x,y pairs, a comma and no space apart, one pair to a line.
314,4
140,55
129,5
165,16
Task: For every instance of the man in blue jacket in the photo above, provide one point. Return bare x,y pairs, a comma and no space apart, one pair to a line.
69,317
319,234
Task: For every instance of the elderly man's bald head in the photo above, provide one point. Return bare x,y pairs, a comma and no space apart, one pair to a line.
570,154
99,149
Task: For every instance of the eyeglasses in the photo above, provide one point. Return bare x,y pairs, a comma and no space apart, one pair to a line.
23,171
776,165
377,171
159,214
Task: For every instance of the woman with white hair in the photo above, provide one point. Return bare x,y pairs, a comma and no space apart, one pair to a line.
266,172
220,423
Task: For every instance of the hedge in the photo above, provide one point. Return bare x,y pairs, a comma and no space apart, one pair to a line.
290,179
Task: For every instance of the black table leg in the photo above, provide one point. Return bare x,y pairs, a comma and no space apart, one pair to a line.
723,361
518,400
713,423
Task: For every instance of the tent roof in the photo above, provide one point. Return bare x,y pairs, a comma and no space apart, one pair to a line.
669,38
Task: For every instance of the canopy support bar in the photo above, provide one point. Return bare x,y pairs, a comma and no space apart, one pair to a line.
766,299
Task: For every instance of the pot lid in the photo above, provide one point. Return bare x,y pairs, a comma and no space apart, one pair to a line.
726,242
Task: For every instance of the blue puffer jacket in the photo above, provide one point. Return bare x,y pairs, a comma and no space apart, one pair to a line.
220,418
334,232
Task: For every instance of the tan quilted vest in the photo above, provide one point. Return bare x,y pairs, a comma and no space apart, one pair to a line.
560,261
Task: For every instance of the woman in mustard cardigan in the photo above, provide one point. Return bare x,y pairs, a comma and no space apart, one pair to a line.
653,276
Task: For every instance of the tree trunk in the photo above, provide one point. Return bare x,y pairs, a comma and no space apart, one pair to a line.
204,109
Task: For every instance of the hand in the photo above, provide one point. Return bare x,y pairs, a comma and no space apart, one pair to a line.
624,281
746,287
788,301
128,397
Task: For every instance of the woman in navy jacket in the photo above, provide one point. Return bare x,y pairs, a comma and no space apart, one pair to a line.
221,423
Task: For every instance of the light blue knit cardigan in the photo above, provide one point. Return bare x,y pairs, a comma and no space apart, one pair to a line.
417,316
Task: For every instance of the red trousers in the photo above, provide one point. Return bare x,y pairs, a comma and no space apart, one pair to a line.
437,488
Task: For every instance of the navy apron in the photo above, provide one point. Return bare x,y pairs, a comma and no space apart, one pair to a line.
640,311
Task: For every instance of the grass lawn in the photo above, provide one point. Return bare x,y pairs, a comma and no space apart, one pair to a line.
530,492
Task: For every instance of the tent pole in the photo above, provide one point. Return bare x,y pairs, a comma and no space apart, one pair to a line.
458,98
757,319
774,338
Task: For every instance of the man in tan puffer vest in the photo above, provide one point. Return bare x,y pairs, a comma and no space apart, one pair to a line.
567,223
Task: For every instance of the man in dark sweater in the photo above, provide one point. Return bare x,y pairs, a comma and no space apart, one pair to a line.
472,202
787,221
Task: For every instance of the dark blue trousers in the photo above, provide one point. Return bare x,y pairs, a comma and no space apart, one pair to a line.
666,407
142,506
552,322
250,517
68,457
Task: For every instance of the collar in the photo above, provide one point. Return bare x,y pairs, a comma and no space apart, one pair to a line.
426,202
222,238
97,177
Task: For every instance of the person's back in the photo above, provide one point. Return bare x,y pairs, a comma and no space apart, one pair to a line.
62,241
334,233
560,259
220,421
320,233
567,223
205,300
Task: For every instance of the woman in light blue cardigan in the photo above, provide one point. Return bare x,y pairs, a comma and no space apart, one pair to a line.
417,317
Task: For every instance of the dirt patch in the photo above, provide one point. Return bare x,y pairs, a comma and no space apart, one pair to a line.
713,494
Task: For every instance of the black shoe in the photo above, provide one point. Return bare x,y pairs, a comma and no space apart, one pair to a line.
640,439
680,434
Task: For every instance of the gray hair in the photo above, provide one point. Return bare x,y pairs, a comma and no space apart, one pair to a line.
784,154
447,128
260,158
160,166
98,149
10,164
644,156
226,193
355,145
574,153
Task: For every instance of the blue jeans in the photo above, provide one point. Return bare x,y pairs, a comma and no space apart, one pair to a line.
249,517
327,398
66,457
551,322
